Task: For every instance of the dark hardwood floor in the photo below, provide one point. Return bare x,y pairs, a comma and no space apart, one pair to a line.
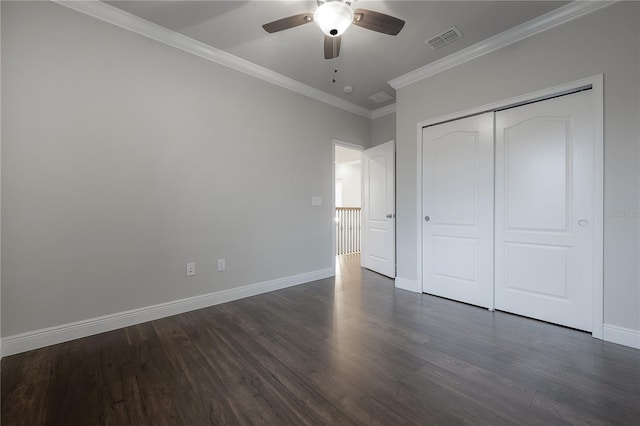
347,351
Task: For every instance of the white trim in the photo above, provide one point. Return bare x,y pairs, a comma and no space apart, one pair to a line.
622,336
333,204
381,112
544,22
409,285
419,202
63,333
348,145
128,21
597,85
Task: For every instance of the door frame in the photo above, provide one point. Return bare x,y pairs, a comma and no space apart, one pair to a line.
596,84
337,142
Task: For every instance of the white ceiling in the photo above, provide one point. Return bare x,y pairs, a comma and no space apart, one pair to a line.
367,61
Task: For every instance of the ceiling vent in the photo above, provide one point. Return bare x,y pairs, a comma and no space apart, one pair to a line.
380,97
445,37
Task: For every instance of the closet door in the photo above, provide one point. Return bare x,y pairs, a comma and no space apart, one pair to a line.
457,210
545,210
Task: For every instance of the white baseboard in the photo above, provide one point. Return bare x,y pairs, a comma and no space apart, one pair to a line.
621,336
410,285
63,333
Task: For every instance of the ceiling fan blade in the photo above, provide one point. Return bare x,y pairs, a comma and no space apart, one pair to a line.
331,47
288,22
376,21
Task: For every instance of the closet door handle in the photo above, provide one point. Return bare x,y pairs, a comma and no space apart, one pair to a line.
427,218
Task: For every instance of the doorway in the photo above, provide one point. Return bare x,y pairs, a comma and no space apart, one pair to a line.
364,201
348,203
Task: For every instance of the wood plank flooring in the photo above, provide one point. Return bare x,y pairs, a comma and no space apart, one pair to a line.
350,350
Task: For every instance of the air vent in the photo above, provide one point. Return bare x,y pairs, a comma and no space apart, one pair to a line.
380,97
445,37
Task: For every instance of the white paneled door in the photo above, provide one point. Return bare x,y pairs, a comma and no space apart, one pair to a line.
544,211
458,210
509,210
378,213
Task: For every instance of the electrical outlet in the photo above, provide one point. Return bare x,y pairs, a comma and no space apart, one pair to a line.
221,264
191,269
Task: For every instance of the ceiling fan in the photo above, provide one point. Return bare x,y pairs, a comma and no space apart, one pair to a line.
334,17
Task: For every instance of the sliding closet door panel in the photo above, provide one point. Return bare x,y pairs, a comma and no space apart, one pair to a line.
544,210
458,210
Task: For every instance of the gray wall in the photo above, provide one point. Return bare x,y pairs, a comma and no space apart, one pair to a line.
383,129
607,42
123,159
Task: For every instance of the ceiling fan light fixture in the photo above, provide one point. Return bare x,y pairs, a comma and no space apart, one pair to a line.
333,17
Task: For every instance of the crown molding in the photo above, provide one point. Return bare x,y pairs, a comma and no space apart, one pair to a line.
110,14
527,29
381,112
128,21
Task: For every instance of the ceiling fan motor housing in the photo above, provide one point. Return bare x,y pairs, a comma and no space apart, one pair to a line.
333,17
